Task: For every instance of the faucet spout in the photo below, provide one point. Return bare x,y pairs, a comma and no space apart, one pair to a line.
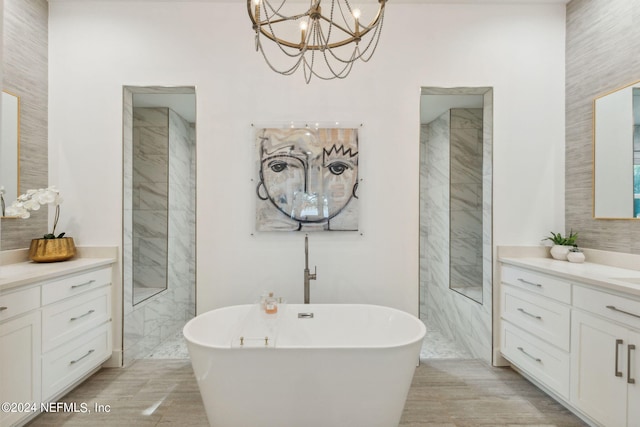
308,276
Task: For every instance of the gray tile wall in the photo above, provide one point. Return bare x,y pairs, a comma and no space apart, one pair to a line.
150,203
602,54
466,201
434,222
182,215
25,74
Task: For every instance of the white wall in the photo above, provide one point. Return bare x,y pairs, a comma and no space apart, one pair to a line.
1,57
97,47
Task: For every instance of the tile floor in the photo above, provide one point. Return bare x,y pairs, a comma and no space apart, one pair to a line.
437,346
447,391
444,393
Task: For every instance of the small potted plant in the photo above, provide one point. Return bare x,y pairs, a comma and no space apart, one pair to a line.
562,244
51,247
575,255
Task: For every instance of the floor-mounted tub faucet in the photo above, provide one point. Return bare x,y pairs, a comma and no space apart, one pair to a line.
307,276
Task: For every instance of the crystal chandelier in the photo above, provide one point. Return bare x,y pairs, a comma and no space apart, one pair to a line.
325,45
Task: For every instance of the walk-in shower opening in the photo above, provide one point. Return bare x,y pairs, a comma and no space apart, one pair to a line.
455,277
159,244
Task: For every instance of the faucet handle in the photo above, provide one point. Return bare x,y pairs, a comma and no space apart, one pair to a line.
312,276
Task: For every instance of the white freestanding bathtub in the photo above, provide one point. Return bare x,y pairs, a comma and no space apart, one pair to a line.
349,365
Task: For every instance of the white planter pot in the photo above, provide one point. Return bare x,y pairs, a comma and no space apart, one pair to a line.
575,257
560,251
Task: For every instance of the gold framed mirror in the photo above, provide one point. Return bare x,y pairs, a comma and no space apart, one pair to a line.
10,148
616,153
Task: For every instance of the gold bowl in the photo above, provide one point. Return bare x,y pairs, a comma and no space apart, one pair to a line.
52,250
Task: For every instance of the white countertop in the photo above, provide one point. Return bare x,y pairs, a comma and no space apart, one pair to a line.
599,275
25,273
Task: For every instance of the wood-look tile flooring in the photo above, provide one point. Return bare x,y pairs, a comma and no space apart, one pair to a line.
444,393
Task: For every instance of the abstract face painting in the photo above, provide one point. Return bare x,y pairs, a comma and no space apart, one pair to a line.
307,179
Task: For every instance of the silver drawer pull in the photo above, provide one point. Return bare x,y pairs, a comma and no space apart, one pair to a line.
537,359
3,308
80,317
523,311
613,307
629,379
618,344
526,282
82,284
79,359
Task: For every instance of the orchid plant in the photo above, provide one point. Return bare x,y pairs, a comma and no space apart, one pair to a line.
32,200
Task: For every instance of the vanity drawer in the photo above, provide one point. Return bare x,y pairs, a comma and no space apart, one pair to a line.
614,307
74,285
545,318
70,318
547,364
538,283
19,302
69,363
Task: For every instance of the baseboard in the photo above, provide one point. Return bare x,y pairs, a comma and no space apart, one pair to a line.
115,361
498,360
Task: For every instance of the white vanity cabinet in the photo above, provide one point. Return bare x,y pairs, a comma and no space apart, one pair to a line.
76,328
574,330
535,326
19,351
53,332
606,357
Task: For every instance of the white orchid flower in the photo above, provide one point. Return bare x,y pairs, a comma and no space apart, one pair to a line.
32,200
31,205
45,196
17,209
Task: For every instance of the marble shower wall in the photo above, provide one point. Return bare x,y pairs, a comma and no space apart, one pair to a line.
424,265
165,196
434,214
457,317
182,214
150,200
466,201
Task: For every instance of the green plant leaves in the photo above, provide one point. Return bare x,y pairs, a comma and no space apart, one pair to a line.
558,239
53,236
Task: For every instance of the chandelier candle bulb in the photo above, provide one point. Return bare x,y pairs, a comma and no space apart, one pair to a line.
356,15
303,33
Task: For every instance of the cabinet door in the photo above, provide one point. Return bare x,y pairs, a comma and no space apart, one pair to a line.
598,376
633,379
19,364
